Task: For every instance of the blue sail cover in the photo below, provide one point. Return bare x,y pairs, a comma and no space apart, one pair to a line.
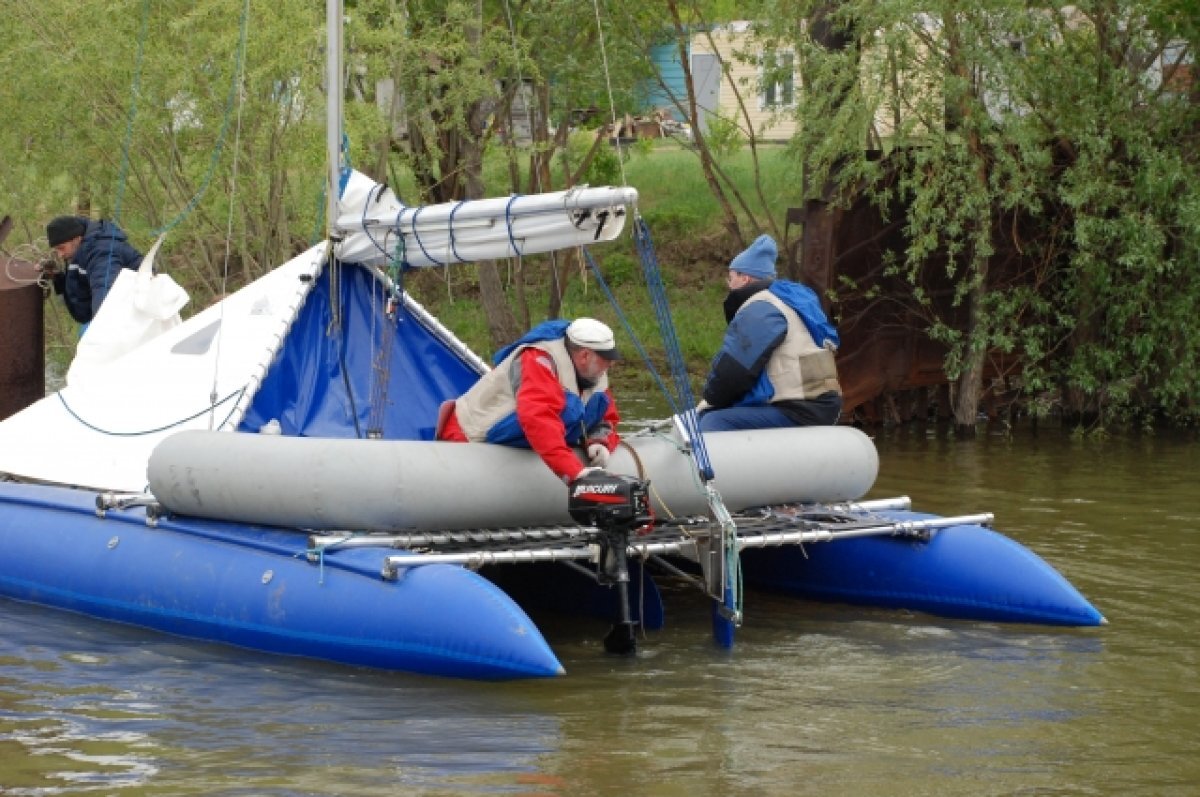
326,378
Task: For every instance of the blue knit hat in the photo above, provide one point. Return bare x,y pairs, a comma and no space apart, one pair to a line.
758,260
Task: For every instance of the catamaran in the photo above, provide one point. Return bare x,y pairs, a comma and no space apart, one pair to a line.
264,474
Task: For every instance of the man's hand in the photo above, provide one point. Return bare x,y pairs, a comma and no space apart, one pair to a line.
589,472
598,454
49,276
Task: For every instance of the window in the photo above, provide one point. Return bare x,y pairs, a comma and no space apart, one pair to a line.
778,81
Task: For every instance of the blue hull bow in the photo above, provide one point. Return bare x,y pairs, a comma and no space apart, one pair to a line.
255,587
966,572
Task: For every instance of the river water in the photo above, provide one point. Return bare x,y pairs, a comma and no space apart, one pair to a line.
812,700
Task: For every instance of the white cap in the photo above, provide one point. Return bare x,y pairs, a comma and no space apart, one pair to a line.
595,335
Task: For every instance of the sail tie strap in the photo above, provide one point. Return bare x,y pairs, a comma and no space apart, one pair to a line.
508,223
417,237
450,231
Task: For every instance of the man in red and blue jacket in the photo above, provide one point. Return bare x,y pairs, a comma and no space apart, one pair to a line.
548,392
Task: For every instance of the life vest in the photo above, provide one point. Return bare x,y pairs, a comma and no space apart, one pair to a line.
488,411
798,368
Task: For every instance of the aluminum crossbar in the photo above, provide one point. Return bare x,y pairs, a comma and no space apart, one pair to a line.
686,546
392,565
829,534
330,542
876,505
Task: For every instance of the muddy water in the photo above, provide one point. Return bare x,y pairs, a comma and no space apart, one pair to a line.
813,700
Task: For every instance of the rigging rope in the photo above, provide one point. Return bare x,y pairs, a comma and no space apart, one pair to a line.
729,602
662,310
535,172
637,343
234,90
612,107
123,172
141,432
235,95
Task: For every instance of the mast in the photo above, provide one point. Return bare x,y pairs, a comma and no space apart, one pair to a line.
333,108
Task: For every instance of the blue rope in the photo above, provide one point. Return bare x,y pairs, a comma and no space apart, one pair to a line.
417,238
346,165
453,248
662,311
378,192
637,343
681,401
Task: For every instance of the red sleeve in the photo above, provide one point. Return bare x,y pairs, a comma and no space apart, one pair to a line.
606,433
540,402
452,430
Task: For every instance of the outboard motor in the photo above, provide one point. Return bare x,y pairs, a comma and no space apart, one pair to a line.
615,505
608,500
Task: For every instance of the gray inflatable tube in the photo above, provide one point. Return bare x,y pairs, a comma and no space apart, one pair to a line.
378,485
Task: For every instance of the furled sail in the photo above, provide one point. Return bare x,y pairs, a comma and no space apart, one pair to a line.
377,227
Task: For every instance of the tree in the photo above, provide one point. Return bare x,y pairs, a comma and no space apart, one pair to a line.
465,65
648,24
1037,134
148,130
208,118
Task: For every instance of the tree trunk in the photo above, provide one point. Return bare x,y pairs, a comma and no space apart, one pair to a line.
502,324
969,387
707,164
970,380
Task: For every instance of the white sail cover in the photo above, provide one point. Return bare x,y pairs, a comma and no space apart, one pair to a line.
99,431
379,227
140,306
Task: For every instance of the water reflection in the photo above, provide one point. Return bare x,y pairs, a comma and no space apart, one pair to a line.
86,707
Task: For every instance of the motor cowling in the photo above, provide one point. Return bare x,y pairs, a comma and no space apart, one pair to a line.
609,501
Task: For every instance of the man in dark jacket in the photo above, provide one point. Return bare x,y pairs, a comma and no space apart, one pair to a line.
95,252
776,364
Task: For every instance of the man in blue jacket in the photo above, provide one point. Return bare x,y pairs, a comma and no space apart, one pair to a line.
94,253
776,364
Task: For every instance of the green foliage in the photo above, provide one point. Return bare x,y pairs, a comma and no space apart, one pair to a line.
605,166
1042,136
621,268
643,147
138,111
1036,133
724,137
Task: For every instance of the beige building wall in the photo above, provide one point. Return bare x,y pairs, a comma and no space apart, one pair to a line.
769,112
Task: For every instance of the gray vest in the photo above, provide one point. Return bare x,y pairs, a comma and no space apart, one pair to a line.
494,396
